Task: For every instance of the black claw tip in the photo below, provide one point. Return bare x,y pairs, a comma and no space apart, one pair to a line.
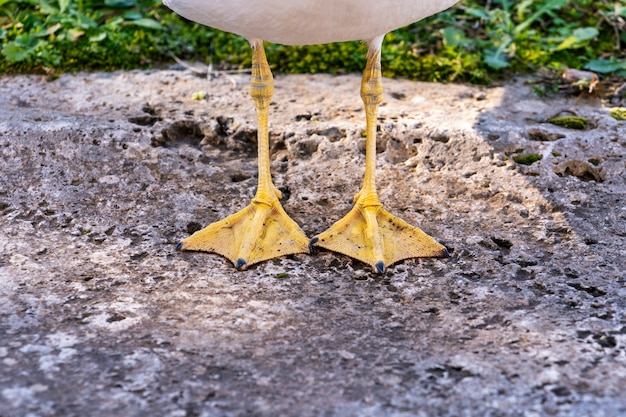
179,246
240,263
445,253
380,267
313,242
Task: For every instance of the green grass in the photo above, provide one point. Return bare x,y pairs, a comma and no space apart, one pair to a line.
476,41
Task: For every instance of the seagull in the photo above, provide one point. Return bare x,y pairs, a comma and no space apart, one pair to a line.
263,230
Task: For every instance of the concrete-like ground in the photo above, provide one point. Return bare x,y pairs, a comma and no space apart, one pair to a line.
102,174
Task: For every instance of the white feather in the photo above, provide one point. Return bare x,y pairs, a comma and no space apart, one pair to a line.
305,22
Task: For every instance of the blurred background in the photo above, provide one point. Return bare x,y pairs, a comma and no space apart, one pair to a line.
478,42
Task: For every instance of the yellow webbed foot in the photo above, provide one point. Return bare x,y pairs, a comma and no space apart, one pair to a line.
374,236
262,230
259,232
368,232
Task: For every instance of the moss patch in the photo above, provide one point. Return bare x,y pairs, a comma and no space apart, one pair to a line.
527,159
618,113
571,122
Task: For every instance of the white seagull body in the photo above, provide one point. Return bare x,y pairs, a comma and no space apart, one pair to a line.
263,230
306,22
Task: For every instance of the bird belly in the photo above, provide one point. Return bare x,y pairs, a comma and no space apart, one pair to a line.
305,22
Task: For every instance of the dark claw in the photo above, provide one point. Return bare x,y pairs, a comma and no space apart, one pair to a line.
313,242
380,267
445,253
179,246
240,263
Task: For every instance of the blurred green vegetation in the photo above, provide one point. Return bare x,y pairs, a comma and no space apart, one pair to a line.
475,41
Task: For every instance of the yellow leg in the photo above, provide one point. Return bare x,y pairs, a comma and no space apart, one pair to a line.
368,232
262,230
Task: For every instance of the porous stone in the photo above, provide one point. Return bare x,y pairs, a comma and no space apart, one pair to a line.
102,174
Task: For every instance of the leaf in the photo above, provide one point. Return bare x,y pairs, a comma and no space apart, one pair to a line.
147,23
17,51
20,49
547,7
566,44
131,15
454,37
522,7
99,37
115,22
577,37
63,5
479,13
585,34
120,4
81,21
74,34
495,60
48,31
606,66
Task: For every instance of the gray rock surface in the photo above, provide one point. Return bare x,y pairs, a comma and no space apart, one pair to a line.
102,174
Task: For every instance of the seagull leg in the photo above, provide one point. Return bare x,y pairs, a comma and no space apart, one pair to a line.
262,230
368,232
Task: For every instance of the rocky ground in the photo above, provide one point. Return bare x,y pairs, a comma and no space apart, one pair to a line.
102,174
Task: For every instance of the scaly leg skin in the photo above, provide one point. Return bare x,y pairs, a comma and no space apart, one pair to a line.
262,230
368,232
